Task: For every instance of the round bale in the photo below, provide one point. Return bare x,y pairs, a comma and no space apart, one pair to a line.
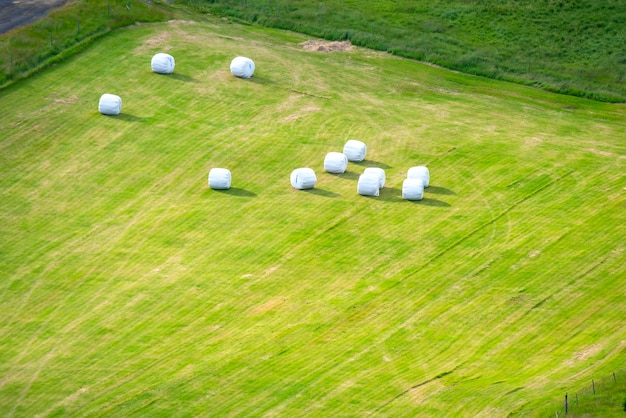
163,63
110,104
242,67
335,162
378,172
412,189
220,179
355,150
303,178
419,172
368,184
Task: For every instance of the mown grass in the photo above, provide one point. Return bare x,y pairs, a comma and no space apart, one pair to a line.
132,289
570,47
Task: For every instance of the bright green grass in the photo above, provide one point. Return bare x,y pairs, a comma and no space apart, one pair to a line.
130,288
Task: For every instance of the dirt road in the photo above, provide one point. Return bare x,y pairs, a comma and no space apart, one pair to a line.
14,13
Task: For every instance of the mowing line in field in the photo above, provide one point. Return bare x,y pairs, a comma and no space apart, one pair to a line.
362,306
61,304
439,376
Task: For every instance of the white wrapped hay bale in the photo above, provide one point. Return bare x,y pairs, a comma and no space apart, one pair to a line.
419,172
355,150
412,189
242,67
220,179
110,104
303,178
377,171
368,184
163,63
335,162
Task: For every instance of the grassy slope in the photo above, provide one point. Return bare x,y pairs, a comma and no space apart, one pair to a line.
131,288
572,47
63,31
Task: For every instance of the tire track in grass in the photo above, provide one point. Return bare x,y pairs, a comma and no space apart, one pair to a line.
423,383
292,253
128,226
104,287
387,335
189,345
336,224
112,382
474,231
358,312
381,339
34,377
488,206
480,227
81,159
130,332
77,243
71,246
561,293
581,315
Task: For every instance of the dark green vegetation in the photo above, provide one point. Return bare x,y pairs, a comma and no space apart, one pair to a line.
574,47
600,397
130,288
64,31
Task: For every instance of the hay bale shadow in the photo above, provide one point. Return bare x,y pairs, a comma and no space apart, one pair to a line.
372,163
183,77
259,80
234,191
321,192
348,175
440,190
427,201
127,117
391,194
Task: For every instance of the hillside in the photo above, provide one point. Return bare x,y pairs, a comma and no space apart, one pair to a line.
572,47
131,288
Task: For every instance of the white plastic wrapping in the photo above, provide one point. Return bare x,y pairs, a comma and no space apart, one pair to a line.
242,67
419,172
355,150
220,178
412,189
110,104
163,63
377,171
368,184
303,178
335,162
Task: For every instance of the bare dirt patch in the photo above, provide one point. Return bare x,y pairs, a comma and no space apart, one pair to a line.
270,305
68,100
328,46
532,141
299,113
65,402
605,153
181,22
592,350
161,39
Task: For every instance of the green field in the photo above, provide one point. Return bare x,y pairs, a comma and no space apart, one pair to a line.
573,47
132,289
